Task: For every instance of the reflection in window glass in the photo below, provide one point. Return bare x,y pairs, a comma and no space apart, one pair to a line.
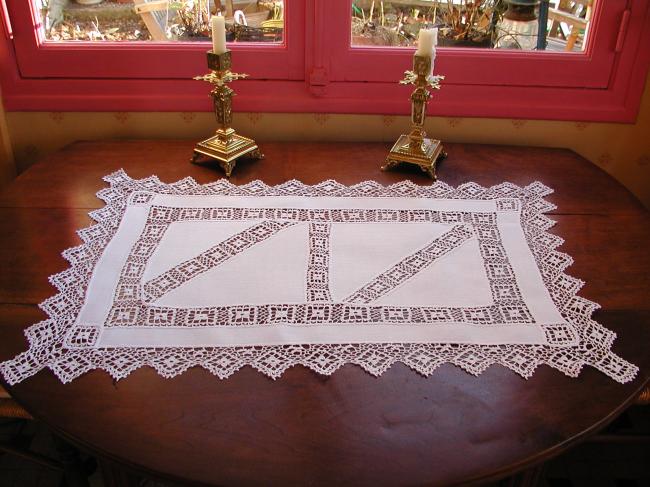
160,20
557,25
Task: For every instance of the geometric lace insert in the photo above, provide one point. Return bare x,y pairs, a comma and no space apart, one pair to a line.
221,276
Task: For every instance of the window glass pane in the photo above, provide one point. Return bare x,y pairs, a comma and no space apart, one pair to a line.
555,25
160,20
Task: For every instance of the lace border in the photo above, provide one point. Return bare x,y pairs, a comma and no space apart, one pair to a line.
46,339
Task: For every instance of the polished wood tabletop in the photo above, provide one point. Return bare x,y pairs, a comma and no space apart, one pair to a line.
349,428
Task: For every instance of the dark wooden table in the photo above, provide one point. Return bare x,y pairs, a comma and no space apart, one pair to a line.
349,428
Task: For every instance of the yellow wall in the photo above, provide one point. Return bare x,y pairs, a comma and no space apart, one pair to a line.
7,167
623,150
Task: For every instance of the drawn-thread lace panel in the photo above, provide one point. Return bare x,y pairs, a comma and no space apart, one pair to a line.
70,347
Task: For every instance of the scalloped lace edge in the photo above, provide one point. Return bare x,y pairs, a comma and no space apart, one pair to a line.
45,339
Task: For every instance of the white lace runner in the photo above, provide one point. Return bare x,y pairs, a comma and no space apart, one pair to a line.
222,276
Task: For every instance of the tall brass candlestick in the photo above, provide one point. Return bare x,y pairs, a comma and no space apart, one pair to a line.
226,146
416,148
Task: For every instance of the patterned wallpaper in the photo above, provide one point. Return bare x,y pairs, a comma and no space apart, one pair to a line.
622,150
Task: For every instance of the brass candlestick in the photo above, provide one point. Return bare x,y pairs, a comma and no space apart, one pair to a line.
416,148
226,146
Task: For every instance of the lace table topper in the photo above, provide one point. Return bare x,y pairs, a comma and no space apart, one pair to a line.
222,276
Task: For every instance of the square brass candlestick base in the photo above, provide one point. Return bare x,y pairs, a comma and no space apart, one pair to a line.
227,152
425,156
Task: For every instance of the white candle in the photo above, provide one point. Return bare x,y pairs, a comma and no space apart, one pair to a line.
218,34
434,35
426,40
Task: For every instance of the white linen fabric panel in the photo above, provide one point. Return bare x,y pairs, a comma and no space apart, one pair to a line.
274,270
224,276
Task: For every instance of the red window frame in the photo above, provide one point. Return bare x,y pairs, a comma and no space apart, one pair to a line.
591,69
316,70
147,60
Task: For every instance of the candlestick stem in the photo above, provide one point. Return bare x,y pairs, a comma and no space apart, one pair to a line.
416,148
226,146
